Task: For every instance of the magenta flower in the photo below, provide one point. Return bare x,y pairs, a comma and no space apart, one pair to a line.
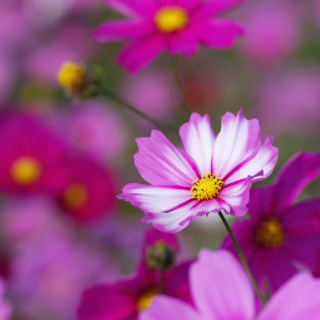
281,237
127,298
213,173
87,191
176,26
31,156
222,291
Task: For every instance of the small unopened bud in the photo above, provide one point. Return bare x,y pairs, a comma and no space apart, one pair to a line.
77,80
160,256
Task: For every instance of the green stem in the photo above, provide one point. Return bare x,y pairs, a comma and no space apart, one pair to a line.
242,258
176,77
116,98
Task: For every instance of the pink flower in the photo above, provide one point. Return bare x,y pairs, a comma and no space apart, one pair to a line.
88,189
213,173
176,26
280,237
125,299
221,291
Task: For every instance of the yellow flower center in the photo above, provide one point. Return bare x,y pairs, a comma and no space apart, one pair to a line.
25,170
71,75
170,19
76,195
270,233
207,187
145,300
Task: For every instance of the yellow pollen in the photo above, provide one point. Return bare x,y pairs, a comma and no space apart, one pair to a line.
270,233
71,75
76,196
145,300
25,170
207,187
170,19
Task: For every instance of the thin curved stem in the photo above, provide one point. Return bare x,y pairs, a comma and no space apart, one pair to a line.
176,76
242,258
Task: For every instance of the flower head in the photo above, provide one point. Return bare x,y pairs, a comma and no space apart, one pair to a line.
221,290
126,299
280,236
213,173
178,27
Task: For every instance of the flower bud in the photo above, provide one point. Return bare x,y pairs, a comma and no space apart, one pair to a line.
160,256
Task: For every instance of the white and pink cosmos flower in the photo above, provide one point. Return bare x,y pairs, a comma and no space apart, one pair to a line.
213,173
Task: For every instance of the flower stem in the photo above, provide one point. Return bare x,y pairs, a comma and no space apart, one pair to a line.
116,98
242,258
176,77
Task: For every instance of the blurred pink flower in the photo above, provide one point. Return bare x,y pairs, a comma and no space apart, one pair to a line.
273,31
290,98
5,306
213,173
280,236
221,290
89,128
178,27
31,156
49,274
153,93
88,189
125,299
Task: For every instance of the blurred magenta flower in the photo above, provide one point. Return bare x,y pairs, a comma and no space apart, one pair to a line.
213,173
31,157
125,299
88,127
153,93
276,24
49,274
290,97
5,306
176,26
88,189
221,291
280,237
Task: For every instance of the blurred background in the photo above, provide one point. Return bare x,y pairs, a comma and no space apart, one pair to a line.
62,162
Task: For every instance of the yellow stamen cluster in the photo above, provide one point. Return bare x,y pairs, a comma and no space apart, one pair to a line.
207,187
270,233
76,195
71,75
146,299
171,19
25,170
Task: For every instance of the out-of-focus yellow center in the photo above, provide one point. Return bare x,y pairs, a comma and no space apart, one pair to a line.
145,300
170,19
25,170
270,233
207,187
71,75
76,195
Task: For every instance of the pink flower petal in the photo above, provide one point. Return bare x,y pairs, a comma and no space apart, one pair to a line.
122,30
160,162
184,42
165,308
296,300
198,140
133,8
140,53
220,34
220,288
155,199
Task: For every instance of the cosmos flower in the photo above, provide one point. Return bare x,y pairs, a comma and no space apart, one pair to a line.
213,173
125,299
176,26
280,237
88,189
31,156
221,290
